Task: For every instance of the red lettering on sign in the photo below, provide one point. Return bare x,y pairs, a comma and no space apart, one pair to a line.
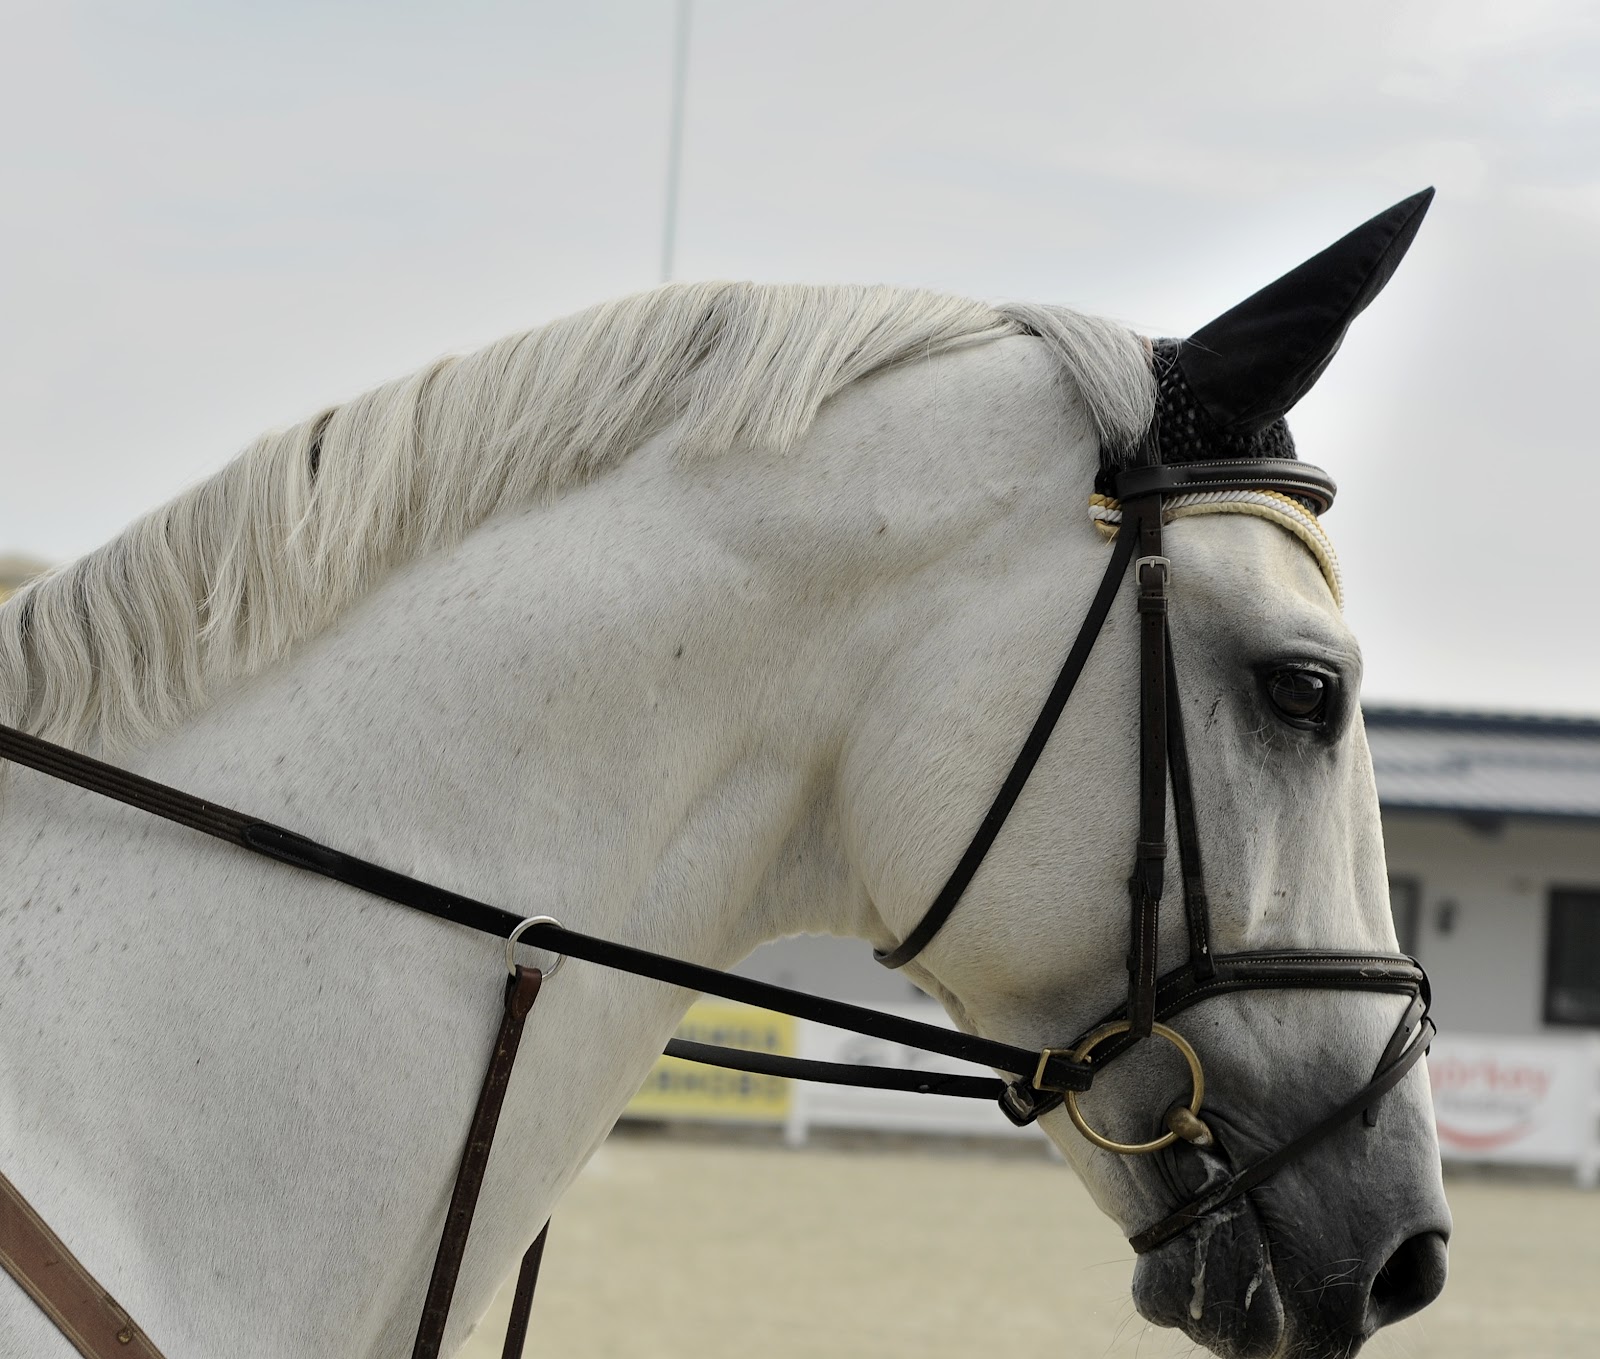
1453,1074
1458,1137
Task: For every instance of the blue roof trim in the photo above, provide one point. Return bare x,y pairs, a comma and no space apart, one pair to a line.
1560,816
1499,724
1531,767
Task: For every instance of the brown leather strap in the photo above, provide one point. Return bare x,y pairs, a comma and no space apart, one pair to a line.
66,1292
522,1299
1016,779
1143,516
522,990
1196,905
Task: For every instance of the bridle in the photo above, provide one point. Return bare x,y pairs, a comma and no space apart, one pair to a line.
1141,492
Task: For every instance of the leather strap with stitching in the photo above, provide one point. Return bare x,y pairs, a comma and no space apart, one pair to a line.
1284,475
65,1291
1196,905
522,1298
1142,519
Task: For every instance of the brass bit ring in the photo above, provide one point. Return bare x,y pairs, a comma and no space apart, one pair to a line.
1196,1074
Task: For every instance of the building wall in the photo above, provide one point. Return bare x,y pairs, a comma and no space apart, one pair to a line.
1480,930
1484,906
843,969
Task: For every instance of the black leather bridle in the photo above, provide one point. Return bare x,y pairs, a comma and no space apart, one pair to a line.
1163,758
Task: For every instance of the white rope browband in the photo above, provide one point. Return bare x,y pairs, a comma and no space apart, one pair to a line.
1283,510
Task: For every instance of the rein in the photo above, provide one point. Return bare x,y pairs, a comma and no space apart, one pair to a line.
286,846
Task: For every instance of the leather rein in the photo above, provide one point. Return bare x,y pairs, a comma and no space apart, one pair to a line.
1038,1081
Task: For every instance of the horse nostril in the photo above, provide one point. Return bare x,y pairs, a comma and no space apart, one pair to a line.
1410,1279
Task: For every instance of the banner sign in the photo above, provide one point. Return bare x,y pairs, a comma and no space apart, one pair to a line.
1532,1101
688,1090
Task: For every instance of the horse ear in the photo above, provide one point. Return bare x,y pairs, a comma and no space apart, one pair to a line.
1254,362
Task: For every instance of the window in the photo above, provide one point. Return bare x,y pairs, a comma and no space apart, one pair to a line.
1405,900
1572,964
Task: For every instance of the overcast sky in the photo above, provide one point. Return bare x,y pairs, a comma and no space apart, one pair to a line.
221,216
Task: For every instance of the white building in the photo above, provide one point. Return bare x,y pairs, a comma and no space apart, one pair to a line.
1492,826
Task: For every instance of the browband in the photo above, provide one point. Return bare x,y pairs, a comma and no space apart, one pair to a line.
1285,475
1286,511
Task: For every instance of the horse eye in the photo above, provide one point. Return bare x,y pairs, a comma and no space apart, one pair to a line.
1300,696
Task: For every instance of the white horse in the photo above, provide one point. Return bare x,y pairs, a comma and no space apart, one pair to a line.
699,619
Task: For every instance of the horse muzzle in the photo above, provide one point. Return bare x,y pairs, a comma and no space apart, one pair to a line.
1294,1271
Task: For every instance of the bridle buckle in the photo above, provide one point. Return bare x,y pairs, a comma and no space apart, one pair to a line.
1044,1061
1161,565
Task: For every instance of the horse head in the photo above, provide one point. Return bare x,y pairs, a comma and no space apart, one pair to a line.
1290,1218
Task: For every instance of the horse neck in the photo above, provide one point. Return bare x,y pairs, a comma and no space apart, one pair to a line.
625,711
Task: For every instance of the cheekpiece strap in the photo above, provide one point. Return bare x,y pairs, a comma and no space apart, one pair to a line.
1147,881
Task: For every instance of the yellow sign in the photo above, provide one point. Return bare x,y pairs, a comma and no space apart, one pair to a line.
680,1089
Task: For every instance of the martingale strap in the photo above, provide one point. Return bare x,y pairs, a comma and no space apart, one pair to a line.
522,989
50,1274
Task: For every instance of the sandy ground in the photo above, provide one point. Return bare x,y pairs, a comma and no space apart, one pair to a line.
679,1248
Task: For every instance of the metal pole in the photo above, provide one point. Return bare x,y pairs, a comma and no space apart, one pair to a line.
680,80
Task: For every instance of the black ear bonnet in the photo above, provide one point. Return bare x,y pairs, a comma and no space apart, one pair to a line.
1223,392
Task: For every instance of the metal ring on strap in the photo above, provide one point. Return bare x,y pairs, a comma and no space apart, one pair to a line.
1196,1074
516,934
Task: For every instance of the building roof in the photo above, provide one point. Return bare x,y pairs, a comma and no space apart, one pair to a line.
1485,764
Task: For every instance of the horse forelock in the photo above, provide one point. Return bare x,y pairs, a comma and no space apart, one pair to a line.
229,576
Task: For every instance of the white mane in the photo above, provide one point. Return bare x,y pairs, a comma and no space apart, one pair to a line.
229,576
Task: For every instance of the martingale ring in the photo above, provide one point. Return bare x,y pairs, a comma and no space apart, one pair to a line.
1196,1074
516,934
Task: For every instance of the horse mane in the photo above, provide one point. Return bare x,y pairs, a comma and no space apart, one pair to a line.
230,575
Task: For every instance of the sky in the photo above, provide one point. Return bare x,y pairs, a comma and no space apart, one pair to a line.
223,216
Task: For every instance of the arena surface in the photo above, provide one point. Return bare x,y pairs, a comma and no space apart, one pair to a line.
676,1247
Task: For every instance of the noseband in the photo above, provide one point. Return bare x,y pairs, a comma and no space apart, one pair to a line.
1142,493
